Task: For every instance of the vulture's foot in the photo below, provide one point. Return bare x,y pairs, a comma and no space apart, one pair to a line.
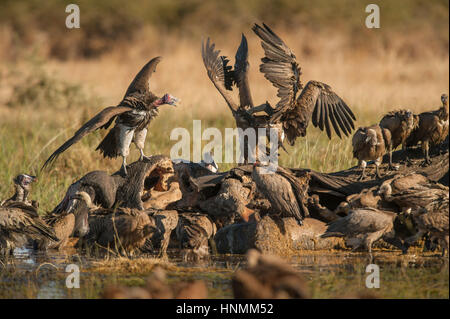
426,162
361,177
144,158
392,167
408,161
123,171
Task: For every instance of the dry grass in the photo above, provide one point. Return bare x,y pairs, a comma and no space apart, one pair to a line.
373,77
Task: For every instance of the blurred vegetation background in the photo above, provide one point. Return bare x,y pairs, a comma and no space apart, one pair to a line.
107,24
52,79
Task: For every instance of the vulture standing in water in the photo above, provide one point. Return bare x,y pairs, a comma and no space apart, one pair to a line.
297,105
433,219
19,223
284,191
362,227
132,116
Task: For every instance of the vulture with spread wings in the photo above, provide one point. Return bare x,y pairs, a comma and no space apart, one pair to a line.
132,116
297,105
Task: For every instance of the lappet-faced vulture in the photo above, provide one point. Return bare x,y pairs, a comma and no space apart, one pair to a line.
132,116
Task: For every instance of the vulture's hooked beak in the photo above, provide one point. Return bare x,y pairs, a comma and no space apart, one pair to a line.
174,101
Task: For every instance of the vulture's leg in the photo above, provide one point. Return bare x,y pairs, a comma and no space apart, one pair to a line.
391,167
125,138
445,245
363,165
123,168
377,166
396,242
412,239
425,149
405,152
139,141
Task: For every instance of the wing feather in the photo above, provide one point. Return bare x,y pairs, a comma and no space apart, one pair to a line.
318,103
334,121
280,67
93,124
241,68
141,81
219,72
322,113
326,117
340,121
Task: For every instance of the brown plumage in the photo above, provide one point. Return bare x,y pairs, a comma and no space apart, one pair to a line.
268,277
143,177
432,129
123,230
366,198
130,191
99,185
286,193
70,222
292,114
412,191
400,123
132,116
362,227
433,219
371,143
22,187
229,203
19,223
63,226
193,233
166,222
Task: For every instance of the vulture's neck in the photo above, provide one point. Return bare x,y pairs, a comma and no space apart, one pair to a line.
444,111
20,195
137,100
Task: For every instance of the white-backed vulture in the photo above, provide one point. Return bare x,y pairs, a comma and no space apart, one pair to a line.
432,129
297,106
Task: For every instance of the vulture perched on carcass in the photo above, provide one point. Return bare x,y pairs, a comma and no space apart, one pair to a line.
371,143
297,106
432,129
400,123
286,193
132,116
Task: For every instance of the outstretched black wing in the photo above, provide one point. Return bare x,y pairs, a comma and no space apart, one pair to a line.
241,68
316,100
105,116
219,72
141,80
279,66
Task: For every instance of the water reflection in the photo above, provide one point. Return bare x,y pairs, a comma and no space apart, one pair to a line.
42,274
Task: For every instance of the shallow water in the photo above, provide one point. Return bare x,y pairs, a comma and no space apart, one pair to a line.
328,274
